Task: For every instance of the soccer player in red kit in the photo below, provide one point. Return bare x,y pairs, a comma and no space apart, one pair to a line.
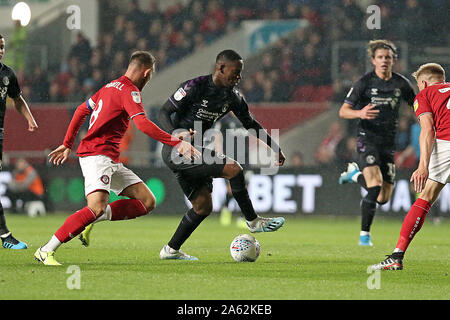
110,110
431,106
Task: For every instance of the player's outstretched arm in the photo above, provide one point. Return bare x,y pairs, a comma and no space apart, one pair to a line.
59,155
22,107
153,131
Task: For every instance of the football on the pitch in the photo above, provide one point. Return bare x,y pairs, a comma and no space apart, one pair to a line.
245,248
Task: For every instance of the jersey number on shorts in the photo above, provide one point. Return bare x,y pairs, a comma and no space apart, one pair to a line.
95,113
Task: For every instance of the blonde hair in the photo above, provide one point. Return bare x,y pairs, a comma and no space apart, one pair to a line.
432,71
374,45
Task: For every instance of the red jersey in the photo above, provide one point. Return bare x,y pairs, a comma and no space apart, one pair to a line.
111,109
435,99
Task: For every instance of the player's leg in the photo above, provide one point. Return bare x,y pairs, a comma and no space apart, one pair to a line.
374,181
97,202
411,225
235,174
8,241
201,207
124,182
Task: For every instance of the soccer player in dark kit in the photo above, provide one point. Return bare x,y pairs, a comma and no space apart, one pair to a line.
375,100
10,87
194,107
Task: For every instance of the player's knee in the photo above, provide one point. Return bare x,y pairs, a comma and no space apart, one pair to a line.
231,170
373,193
203,209
98,209
149,203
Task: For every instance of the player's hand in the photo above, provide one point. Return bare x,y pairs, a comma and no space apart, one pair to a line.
188,151
281,158
59,155
419,178
183,135
369,112
32,126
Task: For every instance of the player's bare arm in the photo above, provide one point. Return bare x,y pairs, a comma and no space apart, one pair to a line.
426,140
22,107
367,113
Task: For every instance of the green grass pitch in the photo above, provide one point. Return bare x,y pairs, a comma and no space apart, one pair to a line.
309,258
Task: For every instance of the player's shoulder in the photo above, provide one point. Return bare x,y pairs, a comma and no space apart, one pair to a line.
196,82
6,70
401,78
365,79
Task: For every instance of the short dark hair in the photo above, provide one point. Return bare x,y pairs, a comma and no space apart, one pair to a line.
143,57
228,55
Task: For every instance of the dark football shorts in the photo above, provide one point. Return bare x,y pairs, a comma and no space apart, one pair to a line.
371,154
195,175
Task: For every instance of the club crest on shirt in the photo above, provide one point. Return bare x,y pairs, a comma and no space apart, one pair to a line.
180,94
6,81
104,179
136,96
397,92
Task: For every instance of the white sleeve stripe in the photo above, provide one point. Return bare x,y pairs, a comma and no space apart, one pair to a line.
91,103
136,114
423,114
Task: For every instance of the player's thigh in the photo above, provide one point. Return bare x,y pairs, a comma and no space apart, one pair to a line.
123,178
141,192
202,201
97,172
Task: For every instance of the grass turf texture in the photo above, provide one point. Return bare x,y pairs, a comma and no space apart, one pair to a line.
309,258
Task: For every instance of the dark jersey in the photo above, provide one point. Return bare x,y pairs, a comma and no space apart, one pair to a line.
199,103
386,96
8,87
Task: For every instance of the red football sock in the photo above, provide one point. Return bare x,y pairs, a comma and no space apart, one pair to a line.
127,209
412,223
75,224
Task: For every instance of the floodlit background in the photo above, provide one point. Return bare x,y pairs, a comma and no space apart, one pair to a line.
301,58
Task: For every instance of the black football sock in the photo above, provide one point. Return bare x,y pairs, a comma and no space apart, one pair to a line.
362,181
190,221
3,228
241,196
368,207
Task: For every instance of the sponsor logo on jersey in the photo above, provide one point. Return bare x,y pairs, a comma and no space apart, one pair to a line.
416,105
444,90
136,96
180,94
204,103
6,81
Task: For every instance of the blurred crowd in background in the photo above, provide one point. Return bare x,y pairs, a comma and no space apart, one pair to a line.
295,68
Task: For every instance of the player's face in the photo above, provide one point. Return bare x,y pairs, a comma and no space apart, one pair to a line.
383,60
2,48
232,73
